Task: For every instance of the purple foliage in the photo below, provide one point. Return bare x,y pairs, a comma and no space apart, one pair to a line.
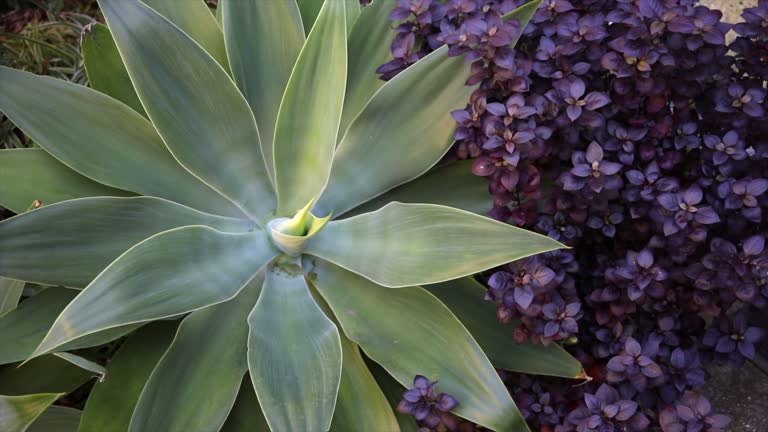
625,129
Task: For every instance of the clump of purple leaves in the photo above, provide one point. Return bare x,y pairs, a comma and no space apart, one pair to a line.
633,132
425,403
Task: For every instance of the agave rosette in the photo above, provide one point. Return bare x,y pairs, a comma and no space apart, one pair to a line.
210,175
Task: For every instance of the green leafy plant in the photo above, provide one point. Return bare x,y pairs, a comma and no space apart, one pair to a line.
261,183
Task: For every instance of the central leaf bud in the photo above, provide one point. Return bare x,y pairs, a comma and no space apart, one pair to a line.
292,234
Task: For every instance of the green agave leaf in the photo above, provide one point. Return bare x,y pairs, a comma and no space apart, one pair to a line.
48,374
10,294
294,353
84,363
101,138
352,9
18,412
246,414
359,393
369,47
309,11
201,115
111,403
27,175
263,40
403,245
393,391
410,114
196,20
171,273
439,347
308,120
69,243
105,69
57,419
197,381
465,299
453,185
22,329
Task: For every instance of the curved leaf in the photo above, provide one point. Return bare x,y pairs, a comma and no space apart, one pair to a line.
411,114
412,244
308,120
453,185
174,272
197,109
69,243
197,21
10,294
246,414
352,10
393,391
195,384
294,353
57,419
438,347
309,11
101,138
105,69
27,175
369,47
84,364
48,374
465,299
264,39
111,403
18,412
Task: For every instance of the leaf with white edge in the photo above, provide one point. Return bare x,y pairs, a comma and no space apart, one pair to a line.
263,39
18,412
105,69
308,120
246,414
413,244
57,419
409,115
464,297
197,21
309,11
84,363
47,374
71,242
453,185
171,273
196,108
10,294
27,175
369,45
111,403
294,353
196,383
101,138
439,348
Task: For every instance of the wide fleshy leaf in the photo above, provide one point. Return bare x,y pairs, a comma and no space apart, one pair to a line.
111,403
369,47
201,115
465,299
246,414
105,69
439,347
18,412
359,393
101,138
85,364
69,243
171,273
196,383
411,114
308,120
57,419
10,294
264,39
393,391
294,353
22,329
47,374
453,185
27,175
413,244
197,21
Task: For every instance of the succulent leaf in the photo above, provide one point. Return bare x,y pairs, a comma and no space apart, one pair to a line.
57,418
10,294
18,412
246,414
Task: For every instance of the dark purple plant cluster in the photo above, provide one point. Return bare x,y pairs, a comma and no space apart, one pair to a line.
633,132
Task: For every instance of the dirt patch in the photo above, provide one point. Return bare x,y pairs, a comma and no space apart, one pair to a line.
731,8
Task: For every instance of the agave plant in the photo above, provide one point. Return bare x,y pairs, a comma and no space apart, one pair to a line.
255,179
